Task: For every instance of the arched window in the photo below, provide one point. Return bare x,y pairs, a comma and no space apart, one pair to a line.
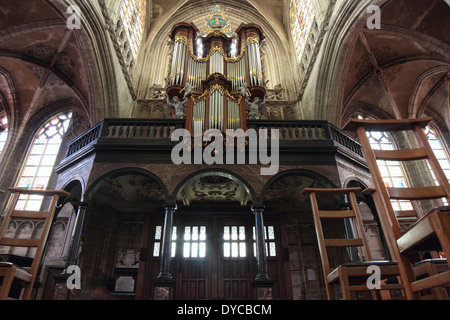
439,151
301,19
391,171
41,159
3,133
133,14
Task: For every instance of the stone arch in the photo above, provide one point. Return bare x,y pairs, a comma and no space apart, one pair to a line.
40,118
299,172
419,99
228,174
281,195
338,46
116,198
94,44
345,42
76,187
366,109
355,182
9,103
93,188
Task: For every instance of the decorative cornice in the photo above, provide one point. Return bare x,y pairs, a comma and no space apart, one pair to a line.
123,63
221,89
309,61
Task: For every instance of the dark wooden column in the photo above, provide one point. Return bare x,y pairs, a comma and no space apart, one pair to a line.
164,283
166,244
262,283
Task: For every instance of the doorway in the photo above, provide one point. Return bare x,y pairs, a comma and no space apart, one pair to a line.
213,255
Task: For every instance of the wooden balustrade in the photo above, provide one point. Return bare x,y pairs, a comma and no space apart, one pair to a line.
119,129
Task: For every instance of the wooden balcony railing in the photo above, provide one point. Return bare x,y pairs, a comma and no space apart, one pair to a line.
126,130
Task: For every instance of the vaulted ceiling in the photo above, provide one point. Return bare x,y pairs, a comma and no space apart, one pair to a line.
42,62
266,13
401,70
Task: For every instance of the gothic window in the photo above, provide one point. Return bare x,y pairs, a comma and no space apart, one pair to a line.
391,171
439,151
4,133
133,15
301,19
41,159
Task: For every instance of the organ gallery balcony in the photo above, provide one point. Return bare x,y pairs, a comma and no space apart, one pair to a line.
301,142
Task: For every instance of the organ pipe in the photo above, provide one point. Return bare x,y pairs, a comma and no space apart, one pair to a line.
215,101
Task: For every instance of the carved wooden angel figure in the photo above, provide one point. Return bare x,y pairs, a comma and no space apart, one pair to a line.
179,106
255,108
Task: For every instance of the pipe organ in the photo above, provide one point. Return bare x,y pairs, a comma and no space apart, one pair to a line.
216,85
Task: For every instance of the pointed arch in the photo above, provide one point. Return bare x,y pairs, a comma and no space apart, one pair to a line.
40,160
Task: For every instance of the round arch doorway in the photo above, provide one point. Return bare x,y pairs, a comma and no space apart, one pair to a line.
213,240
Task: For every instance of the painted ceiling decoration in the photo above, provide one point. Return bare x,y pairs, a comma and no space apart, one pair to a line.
215,189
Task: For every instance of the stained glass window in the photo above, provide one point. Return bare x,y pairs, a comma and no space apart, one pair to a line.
41,160
4,133
301,17
133,14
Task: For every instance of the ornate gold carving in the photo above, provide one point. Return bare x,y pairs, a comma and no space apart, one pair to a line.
252,40
232,98
182,39
197,99
214,49
217,22
217,87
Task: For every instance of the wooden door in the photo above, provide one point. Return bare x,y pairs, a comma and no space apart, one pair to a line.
193,260
236,261
213,257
